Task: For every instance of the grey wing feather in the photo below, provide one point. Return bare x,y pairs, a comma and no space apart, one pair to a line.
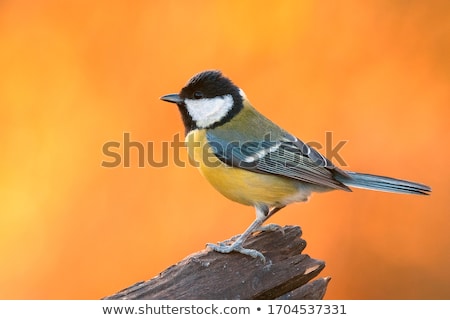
287,156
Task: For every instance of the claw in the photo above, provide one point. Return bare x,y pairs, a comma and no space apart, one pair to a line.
271,227
262,214
237,248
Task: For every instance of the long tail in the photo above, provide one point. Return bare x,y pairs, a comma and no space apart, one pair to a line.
380,183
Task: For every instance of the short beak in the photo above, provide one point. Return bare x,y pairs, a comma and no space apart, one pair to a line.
173,98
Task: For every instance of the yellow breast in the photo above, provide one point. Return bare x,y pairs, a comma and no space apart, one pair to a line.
243,186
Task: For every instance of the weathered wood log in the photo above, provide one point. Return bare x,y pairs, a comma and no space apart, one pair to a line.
206,274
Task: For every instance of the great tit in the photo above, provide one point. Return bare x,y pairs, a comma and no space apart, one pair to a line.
251,160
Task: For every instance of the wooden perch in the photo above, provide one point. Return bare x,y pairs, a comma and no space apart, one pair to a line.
211,275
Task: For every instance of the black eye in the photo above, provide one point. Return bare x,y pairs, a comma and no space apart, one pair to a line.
198,95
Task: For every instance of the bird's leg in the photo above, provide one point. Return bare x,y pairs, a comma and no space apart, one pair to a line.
274,210
272,226
262,214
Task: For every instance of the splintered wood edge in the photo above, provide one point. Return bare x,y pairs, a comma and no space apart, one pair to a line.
287,273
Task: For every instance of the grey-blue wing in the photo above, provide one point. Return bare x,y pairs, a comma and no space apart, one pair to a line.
285,156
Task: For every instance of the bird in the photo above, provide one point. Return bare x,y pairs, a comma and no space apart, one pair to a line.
251,160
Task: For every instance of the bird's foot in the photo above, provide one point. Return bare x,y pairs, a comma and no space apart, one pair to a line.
222,248
271,227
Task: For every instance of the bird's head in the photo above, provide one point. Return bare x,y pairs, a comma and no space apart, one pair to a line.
208,100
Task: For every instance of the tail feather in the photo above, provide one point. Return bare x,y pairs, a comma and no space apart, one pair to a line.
380,183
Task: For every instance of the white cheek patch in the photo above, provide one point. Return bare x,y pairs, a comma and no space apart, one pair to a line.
208,111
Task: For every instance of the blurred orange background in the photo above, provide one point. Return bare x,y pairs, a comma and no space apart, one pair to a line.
77,74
